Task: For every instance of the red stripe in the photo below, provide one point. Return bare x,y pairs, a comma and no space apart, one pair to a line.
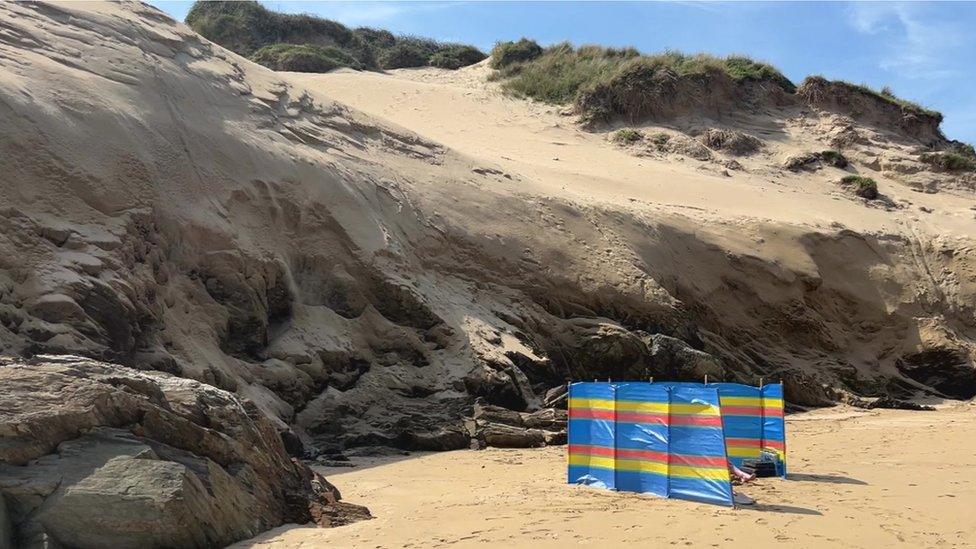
646,455
699,461
753,443
743,442
742,411
642,417
772,412
591,450
697,421
588,413
777,444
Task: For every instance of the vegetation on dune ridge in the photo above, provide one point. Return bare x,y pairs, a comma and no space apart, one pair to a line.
509,53
885,95
622,82
592,75
304,58
312,44
602,83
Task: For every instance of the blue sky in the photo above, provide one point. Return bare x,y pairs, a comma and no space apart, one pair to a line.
925,52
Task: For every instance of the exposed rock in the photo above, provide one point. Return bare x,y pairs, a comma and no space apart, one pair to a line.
600,349
438,439
890,403
6,528
673,359
804,390
333,463
506,436
495,426
503,385
97,455
556,397
948,370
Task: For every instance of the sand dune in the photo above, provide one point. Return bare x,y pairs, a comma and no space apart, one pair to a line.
466,112
857,480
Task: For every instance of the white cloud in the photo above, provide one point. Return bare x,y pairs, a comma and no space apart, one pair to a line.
917,40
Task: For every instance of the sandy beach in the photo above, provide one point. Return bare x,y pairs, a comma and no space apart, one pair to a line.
857,479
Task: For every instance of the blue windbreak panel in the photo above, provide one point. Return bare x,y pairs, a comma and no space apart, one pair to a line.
742,419
774,423
591,434
642,438
698,467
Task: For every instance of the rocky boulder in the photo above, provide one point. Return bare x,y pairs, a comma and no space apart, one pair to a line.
672,359
801,389
94,454
503,428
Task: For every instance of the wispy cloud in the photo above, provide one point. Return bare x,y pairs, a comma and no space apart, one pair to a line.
917,38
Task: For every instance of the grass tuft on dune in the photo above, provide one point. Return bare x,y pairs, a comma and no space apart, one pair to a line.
305,43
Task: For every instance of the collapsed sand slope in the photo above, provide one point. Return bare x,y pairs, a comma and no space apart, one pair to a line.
881,479
758,253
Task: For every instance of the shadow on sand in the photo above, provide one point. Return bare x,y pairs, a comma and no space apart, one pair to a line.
829,479
368,462
788,509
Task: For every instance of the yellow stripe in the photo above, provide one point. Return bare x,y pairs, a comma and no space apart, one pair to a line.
741,401
642,407
592,403
591,461
694,410
642,466
710,473
743,452
662,407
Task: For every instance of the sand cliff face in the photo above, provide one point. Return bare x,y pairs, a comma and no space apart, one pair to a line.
168,205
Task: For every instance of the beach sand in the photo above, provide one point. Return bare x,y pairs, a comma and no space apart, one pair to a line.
857,479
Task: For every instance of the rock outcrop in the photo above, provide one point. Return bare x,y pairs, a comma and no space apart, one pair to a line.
94,454
503,428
